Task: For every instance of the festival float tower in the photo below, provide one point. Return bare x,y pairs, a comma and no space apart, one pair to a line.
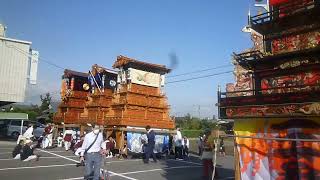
73,98
138,102
123,101
101,86
275,102
86,97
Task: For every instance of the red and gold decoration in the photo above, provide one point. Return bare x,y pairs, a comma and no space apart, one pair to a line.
275,100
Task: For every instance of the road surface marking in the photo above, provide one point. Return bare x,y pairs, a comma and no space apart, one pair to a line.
144,171
78,161
160,169
188,162
52,151
5,152
34,167
40,158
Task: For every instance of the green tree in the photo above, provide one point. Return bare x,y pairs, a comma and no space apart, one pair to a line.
45,102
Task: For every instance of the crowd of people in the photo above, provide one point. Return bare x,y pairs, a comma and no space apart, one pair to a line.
94,145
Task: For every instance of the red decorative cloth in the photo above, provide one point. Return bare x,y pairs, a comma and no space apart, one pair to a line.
68,137
278,2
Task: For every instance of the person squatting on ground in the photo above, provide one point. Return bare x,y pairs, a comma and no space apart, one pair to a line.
178,145
27,152
16,153
94,147
150,145
67,138
185,145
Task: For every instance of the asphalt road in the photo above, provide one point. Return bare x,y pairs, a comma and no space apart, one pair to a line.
58,164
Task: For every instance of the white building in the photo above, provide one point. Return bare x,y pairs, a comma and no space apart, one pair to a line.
18,66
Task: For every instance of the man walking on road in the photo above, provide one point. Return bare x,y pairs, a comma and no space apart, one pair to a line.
94,147
178,145
150,145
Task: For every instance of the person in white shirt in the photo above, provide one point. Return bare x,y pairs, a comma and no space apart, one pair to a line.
93,148
50,135
185,145
178,145
26,135
67,138
47,139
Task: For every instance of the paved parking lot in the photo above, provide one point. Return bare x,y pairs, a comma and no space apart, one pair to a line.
59,164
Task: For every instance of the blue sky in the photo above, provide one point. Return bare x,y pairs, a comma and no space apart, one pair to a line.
76,34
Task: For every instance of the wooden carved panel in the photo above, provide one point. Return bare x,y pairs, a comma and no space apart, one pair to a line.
299,82
296,42
279,110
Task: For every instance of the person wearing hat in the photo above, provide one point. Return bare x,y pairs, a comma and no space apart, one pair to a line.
27,152
93,148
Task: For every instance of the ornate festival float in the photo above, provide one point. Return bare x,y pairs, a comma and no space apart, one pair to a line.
123,101
275,101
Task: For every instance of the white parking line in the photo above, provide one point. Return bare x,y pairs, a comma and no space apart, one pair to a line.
40,158
187,162
5,152
151,170
144,171
52,151
34,167
78,161
49,152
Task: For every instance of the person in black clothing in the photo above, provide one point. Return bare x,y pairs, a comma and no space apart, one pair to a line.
150,145
171,152
27,152
222,149
16,153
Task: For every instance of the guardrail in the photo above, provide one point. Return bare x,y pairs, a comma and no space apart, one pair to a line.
284,10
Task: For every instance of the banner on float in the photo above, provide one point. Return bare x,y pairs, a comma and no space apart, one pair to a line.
144,78
135,142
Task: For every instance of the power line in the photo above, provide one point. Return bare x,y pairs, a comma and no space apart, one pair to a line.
203,70
28,55
199,77
170,82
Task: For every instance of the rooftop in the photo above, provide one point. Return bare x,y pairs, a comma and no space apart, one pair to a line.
126,62
68,73
15,40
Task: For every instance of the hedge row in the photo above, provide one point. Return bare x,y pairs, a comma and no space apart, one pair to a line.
192,133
